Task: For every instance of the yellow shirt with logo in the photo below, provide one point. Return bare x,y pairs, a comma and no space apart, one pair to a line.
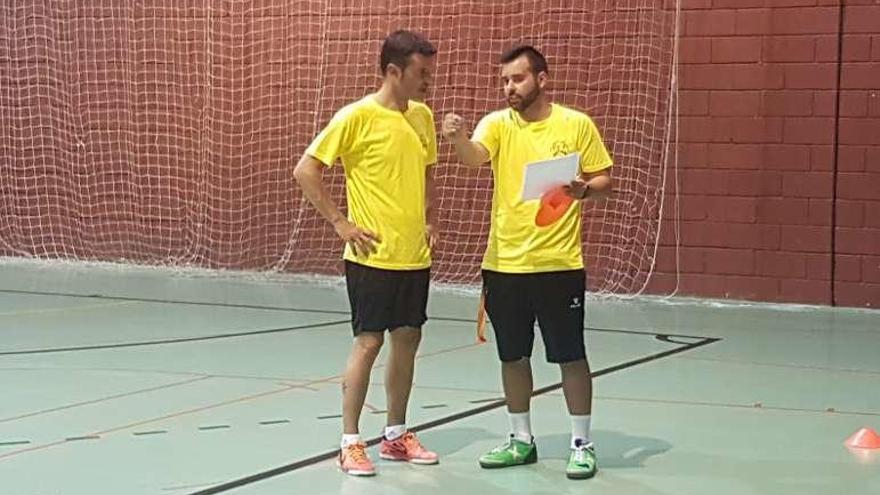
385,154
516,244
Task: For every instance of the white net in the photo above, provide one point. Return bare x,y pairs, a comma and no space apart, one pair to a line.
164,132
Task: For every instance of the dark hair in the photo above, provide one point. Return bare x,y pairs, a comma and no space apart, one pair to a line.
399,45
536,59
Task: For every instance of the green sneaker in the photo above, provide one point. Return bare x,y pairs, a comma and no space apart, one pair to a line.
513,453
582,463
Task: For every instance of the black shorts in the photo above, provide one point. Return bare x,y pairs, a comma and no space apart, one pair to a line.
555,299
386,299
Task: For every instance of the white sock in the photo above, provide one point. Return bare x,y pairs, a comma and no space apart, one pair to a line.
580,430
348,439
521,426
394,432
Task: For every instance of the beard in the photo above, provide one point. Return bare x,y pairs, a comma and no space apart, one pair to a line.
521,103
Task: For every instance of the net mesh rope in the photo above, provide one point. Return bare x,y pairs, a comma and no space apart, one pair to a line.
164,132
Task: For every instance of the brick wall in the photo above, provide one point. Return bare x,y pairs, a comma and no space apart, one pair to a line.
762,149
857,236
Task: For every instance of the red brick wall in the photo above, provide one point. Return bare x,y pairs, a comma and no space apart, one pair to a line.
857,237
762,149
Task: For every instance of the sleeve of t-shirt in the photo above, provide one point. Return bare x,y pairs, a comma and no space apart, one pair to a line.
335,140
432,139
487,134
594,155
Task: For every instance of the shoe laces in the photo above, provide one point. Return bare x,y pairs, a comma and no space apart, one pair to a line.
356,452
580,452
411,441
503,447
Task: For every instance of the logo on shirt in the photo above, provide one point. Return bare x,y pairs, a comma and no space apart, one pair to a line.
561,148
575,303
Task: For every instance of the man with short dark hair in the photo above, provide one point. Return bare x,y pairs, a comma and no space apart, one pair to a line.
387,145
536,272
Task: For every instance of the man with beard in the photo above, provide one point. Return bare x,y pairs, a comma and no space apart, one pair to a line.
387,145
529,272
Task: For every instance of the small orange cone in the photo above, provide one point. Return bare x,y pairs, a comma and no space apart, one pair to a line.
554,204
866,438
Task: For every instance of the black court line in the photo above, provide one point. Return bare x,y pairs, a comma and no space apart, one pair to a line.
330,416
291,310
86,437
153,432
214,427
665,337
275,422
174,341
247,480
170,301
15,442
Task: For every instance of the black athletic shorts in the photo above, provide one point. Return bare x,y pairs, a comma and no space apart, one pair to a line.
386,299
515,301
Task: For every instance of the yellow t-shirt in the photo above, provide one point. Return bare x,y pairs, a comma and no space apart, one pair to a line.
385,154
516,244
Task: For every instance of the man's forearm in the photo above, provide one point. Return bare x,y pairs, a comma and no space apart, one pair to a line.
470,153
311,181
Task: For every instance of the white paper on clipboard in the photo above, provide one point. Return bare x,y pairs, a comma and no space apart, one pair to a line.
545,175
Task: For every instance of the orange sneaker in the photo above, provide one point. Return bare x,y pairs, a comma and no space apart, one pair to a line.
353,460
407,448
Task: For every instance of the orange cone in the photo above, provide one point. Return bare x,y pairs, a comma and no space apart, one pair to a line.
866,438
554,204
